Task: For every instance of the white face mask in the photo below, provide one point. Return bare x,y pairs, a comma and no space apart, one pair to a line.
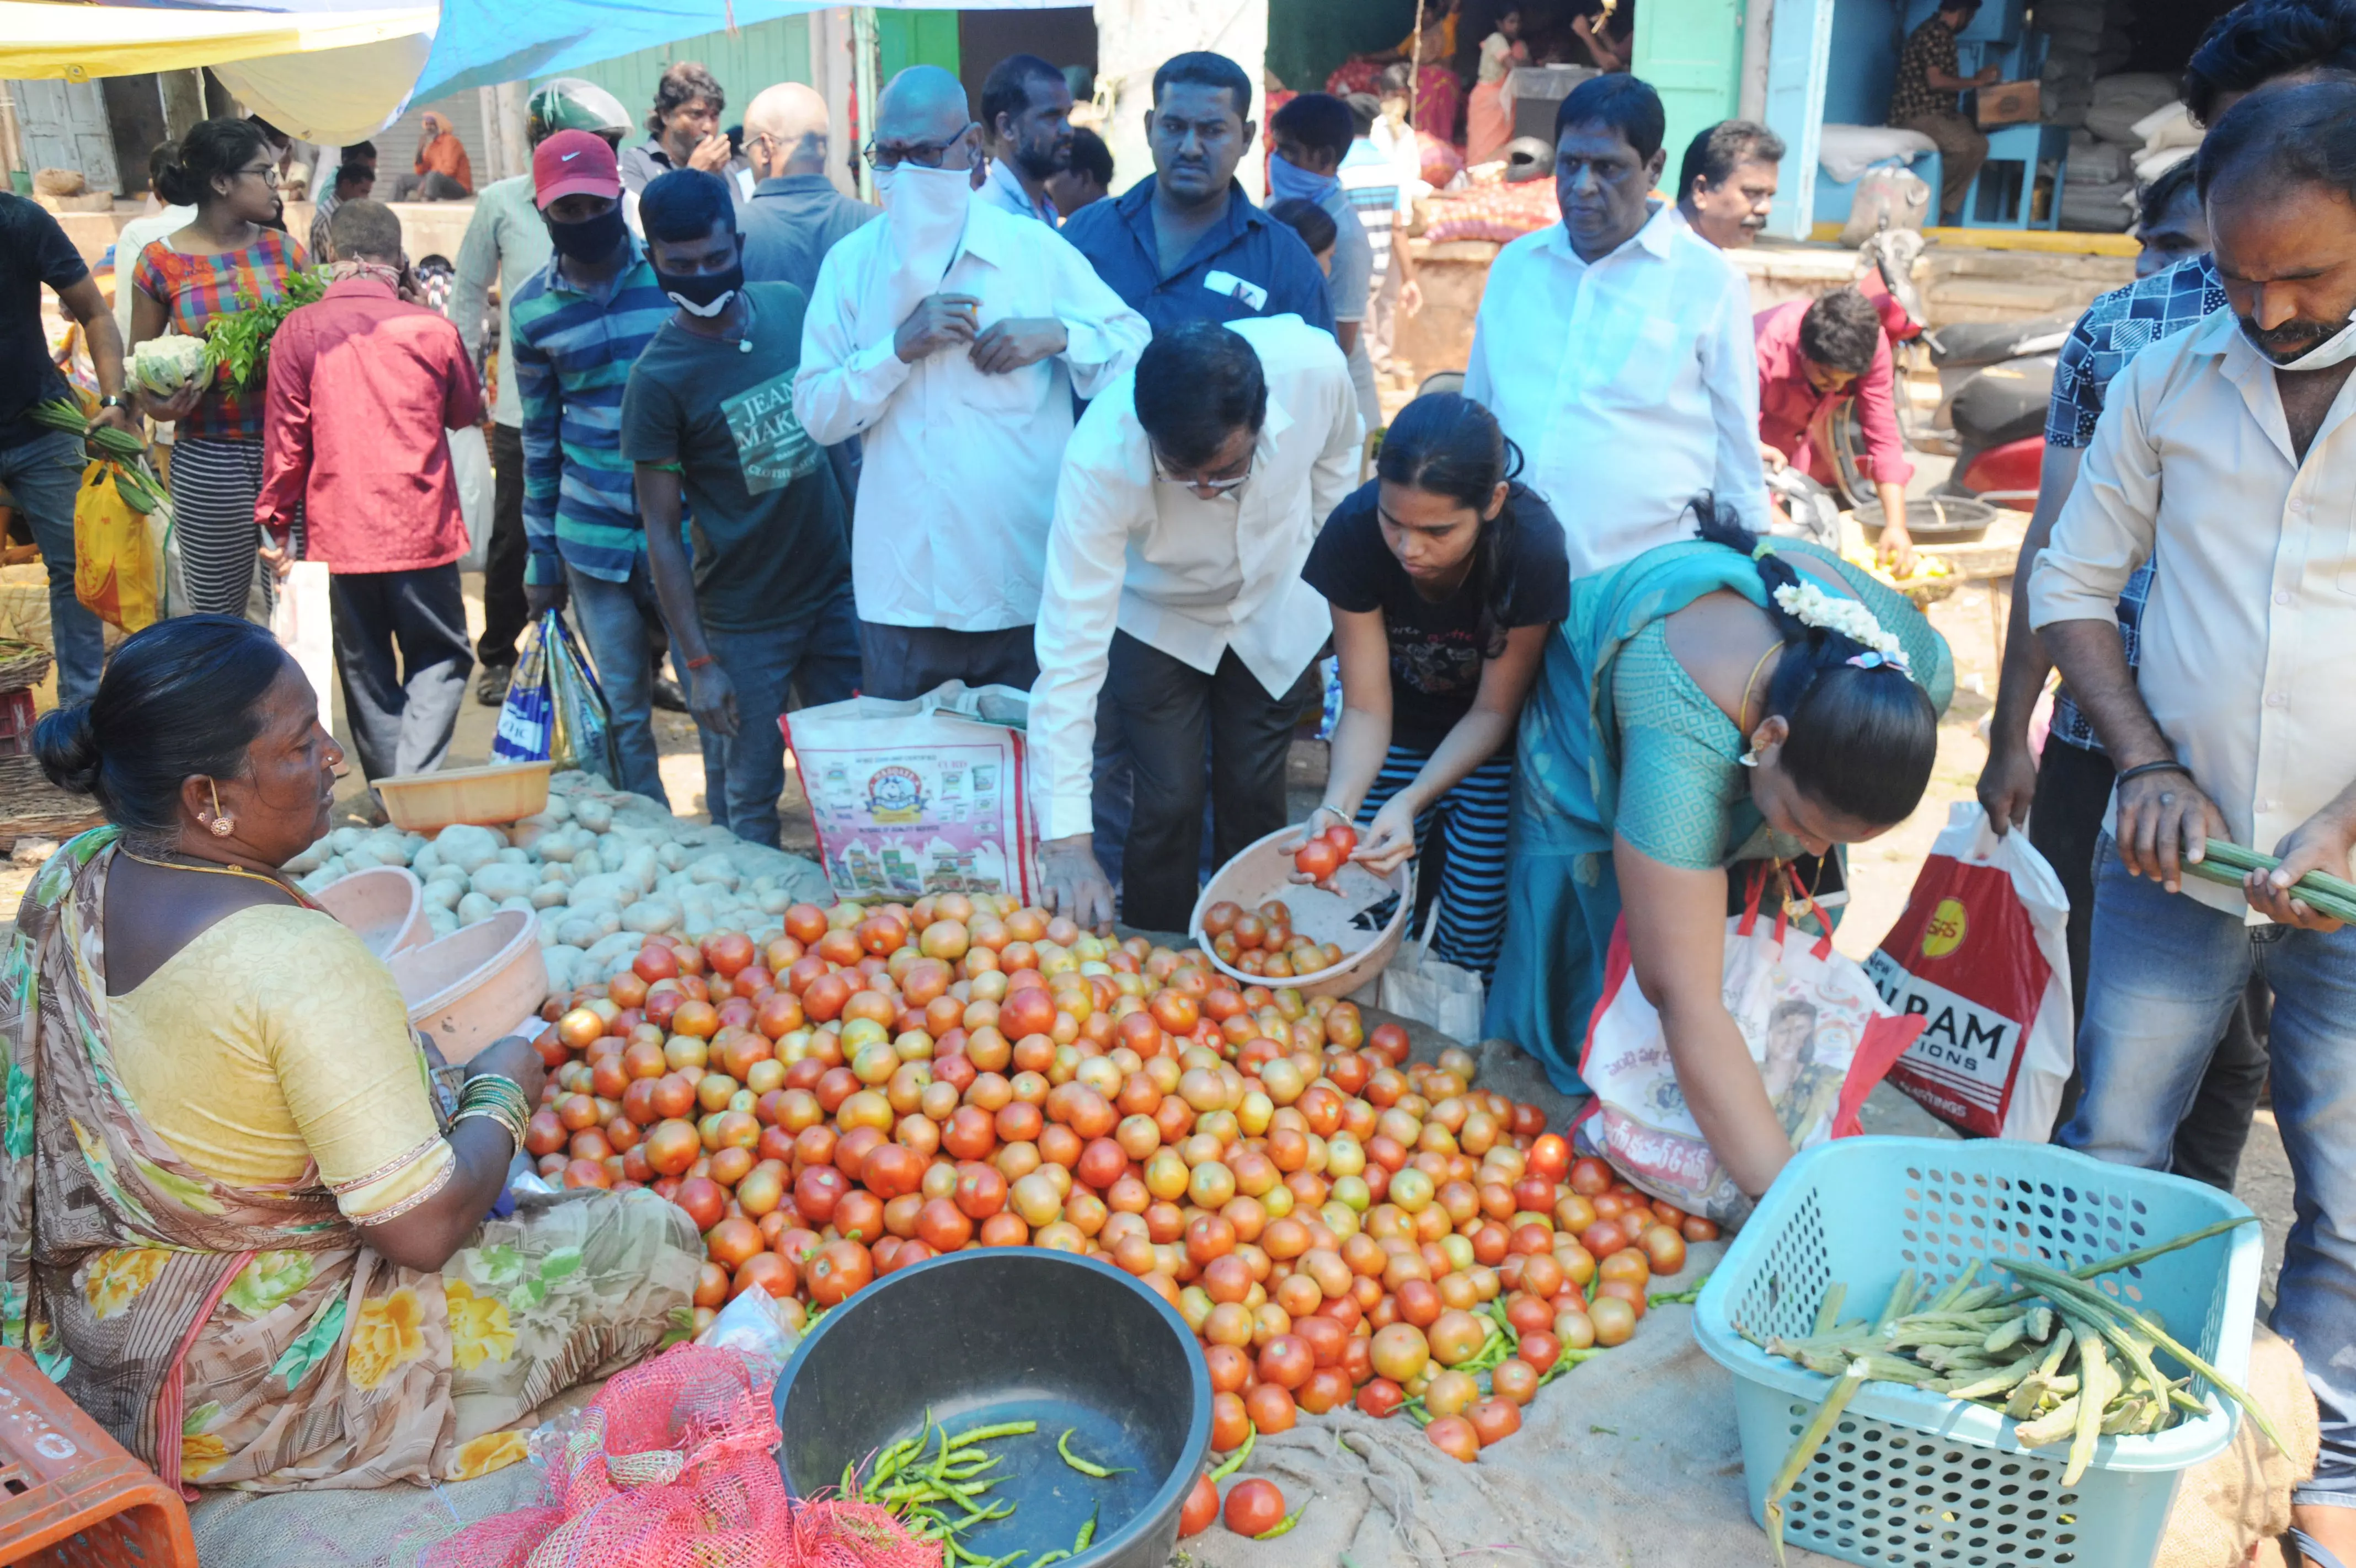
2340,345
926,209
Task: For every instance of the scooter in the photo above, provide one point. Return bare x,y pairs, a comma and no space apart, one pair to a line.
1995,381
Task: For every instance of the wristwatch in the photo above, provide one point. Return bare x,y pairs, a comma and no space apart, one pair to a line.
114,400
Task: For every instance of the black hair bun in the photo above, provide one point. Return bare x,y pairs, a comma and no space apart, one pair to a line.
67,748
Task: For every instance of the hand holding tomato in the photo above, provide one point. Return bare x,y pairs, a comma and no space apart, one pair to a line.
1390,838
513,1057
1325,841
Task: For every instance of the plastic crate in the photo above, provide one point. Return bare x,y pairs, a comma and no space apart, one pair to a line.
69,1496
16,717
1910,1477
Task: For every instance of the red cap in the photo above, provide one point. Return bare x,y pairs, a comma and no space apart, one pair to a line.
573,163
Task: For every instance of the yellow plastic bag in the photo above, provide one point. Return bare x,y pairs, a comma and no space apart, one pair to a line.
118,565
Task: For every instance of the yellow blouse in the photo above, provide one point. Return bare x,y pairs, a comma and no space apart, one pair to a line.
274,1040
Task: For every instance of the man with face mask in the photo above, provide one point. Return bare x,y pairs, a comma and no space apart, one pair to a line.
2229,451
1026,115
709,417
951,337
579,323
507,242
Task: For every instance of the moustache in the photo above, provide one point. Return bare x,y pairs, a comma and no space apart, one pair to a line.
2289,340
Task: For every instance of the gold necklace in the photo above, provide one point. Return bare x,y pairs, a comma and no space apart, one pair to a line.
216,871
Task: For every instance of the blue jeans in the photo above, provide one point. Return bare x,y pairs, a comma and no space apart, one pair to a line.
614,618
745,775
44,476
2163,974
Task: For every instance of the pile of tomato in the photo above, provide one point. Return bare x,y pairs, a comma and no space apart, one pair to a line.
878,1086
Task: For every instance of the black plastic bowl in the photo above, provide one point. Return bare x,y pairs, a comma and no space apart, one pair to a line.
1004,1334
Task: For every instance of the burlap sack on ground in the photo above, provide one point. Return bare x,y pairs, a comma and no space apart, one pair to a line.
1630,1459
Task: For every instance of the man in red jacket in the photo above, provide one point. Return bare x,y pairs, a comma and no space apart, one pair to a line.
362,386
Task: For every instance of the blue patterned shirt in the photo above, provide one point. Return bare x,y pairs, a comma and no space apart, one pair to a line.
2116,327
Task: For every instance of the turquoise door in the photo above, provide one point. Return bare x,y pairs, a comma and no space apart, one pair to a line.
1691,51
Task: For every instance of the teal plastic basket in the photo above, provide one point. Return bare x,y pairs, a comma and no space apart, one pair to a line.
1907,1477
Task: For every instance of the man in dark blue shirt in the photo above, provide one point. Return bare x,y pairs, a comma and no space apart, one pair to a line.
1186,244
796,214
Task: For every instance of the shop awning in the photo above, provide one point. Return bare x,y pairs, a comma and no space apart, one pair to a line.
327,75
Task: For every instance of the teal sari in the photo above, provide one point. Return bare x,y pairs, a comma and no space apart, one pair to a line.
1570,787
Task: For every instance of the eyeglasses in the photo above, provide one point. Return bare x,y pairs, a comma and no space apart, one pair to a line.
267,173
924,154
1205,489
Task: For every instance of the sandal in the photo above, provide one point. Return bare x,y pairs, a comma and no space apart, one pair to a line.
491,686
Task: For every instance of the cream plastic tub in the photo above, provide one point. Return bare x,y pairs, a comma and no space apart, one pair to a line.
1262,871
427,802
476,984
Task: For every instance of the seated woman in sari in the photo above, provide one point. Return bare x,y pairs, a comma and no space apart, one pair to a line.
242,1232
1709,703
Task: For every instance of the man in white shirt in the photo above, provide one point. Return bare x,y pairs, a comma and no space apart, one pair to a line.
1616,347
951,337
1191,495
2226,456
1026,119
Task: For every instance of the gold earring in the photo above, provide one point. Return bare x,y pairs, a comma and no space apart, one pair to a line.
222,826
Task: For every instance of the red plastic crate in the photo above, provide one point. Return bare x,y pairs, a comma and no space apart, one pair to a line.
69,1496
16,722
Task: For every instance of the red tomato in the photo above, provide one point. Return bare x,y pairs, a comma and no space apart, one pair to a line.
1202,1507
1343,836
1317,859
1456,1437
1254,1507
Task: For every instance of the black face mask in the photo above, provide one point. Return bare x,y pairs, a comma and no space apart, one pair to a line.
592,239
701,293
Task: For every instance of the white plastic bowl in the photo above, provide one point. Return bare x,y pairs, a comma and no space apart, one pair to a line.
1263,871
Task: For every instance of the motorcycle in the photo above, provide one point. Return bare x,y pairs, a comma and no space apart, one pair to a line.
1995,381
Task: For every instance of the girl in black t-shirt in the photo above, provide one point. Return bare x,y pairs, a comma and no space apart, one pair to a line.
1444,575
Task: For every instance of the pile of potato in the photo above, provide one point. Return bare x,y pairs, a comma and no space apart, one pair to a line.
601,870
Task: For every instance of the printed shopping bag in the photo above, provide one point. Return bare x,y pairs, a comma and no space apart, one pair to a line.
118,562
1981,956
1818,1033
302,621
928,797
554,710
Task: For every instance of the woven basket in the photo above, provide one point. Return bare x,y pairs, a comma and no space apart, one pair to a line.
22,664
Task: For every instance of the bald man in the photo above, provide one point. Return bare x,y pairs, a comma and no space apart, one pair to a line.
796,215
951,337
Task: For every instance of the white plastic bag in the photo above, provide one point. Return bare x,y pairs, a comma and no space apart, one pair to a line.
926,796
470,466
1819,1035
299,619
1981,956
1429,990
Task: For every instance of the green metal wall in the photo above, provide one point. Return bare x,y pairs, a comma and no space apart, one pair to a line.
755,57
903,39
1307,38
1691,51
769,52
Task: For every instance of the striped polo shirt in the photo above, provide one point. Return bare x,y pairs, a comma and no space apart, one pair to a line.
572,354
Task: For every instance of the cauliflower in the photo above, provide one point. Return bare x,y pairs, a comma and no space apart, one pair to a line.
162,366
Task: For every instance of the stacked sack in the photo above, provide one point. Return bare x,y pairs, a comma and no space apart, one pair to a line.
2109,155
2085,39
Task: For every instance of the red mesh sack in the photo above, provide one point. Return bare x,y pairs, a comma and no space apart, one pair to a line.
673,1466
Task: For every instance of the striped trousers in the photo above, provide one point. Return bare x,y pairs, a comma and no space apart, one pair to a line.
1471,819
214,486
